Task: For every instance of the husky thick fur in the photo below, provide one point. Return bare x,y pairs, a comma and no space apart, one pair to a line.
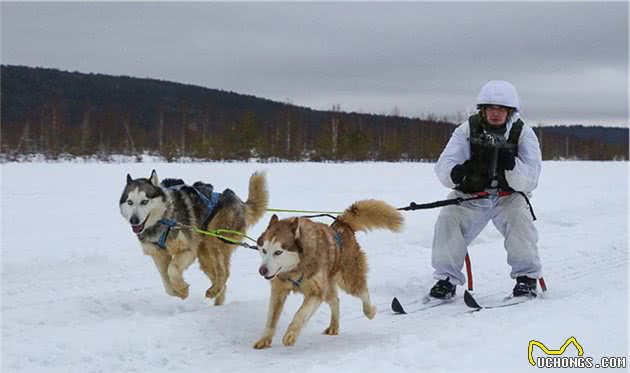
146,205
314,259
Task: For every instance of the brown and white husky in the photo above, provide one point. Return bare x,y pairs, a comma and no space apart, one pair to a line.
314,259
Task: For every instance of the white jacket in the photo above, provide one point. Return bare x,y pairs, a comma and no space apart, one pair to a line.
524,176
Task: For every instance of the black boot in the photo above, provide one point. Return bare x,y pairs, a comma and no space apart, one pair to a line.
443,289
524,286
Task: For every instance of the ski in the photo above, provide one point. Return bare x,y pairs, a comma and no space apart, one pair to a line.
426,303
508,301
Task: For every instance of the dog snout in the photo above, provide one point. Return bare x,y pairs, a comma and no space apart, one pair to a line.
134,220
263,270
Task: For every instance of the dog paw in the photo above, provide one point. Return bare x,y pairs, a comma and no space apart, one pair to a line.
332,330
369,312
219,300
264,342
289,338
181,291
213,291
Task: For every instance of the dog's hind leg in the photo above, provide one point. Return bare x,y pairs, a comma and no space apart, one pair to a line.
176,268
226,254
368,309
310,305
162,260
354,282
333,301
214,260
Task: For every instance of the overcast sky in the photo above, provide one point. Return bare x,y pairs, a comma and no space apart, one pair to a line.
569,61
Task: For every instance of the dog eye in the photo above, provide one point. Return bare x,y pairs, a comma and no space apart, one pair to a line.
129,202
144,202
277,253
264,251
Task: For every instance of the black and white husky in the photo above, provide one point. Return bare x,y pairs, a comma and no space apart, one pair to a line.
160,214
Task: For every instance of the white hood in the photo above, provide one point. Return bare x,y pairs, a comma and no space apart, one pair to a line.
499,92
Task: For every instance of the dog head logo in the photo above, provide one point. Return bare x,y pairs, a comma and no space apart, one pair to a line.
142,202
560,351
279,247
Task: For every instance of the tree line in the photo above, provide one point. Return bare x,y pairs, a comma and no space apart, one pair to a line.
50,112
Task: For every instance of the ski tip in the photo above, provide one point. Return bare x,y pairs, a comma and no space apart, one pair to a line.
470,301
397,307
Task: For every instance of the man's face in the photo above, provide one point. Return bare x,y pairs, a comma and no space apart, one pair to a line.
496,115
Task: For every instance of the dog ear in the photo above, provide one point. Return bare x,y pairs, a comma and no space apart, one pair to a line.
129,179
295,228
154,178
274,220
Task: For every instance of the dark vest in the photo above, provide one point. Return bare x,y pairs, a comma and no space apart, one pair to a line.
481,157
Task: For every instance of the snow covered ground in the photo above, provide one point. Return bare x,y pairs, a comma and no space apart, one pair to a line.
79,296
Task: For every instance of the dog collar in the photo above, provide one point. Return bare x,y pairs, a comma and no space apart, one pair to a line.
297,282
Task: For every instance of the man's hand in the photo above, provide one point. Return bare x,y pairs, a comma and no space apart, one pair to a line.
459,172
507,159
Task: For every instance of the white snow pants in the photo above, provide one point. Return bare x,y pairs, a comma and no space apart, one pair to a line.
458,225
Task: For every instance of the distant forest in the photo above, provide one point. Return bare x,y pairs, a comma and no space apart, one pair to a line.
56,113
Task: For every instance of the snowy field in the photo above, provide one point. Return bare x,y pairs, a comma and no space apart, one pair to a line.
78,295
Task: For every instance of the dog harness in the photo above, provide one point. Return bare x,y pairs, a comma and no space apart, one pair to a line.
338,239
211,204
338,242
169,224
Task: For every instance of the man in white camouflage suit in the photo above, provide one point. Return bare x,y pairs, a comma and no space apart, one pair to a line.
465,165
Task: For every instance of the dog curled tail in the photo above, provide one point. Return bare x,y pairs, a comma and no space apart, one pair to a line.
257,200
372,214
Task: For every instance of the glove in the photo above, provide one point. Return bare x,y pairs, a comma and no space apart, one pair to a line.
459,172
506,159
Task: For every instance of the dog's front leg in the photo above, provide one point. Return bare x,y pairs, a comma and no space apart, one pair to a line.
310,305
276,303
177,266
162,260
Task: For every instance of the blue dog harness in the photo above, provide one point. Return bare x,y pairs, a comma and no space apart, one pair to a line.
211,204
338,240
169,224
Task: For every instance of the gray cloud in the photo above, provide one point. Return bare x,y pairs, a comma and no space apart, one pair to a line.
569,61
